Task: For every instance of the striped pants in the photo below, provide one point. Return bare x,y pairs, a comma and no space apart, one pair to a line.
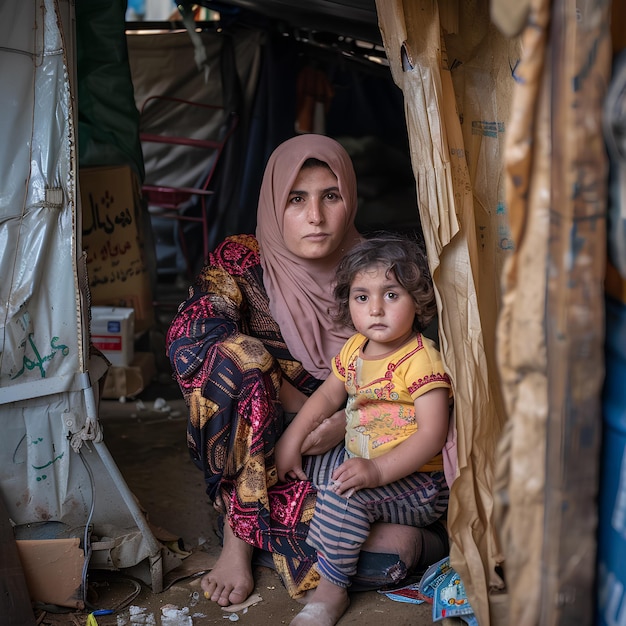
341,525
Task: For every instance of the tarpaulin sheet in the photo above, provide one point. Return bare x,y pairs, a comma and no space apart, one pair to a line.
40,310
48,379
532,512
163,65
108,120
43,355
415,47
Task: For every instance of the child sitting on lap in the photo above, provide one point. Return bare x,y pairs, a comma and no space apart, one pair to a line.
397,412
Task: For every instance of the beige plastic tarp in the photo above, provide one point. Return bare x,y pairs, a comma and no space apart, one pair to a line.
519,249
463,264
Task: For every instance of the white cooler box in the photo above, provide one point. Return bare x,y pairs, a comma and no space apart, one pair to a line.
113,332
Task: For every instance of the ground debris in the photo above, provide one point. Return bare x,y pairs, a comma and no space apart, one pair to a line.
255,598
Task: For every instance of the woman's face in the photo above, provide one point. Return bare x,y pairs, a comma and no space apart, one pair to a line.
315,215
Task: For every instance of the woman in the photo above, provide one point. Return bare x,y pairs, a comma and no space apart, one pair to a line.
251,343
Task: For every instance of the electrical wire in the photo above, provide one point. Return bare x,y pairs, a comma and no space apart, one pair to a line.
86,539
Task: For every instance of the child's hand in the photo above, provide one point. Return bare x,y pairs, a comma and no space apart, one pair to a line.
355,474
288,460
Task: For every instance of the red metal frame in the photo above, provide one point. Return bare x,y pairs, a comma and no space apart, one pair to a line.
171,198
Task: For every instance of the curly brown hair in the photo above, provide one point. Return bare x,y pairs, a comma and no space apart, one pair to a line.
400,255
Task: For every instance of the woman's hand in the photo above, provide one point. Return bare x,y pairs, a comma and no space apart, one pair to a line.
326,436
355,474
291,398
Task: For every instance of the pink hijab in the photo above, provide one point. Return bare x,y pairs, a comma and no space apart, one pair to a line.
300,290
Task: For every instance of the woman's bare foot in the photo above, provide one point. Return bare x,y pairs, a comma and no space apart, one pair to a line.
230,581
328,604
307,597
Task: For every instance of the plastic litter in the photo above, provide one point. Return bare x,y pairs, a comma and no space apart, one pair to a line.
173,616
138,615
442,586
160,405
409,594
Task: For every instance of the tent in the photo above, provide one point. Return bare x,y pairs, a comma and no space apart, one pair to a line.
505,142
59,482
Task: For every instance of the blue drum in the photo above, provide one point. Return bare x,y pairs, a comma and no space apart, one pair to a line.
611,601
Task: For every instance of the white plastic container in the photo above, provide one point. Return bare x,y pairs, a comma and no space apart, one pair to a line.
113,332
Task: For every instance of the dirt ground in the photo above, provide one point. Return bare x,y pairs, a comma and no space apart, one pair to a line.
148,446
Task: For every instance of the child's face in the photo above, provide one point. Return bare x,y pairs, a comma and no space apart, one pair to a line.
381,309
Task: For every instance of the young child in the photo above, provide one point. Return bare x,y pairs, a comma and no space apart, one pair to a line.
397,415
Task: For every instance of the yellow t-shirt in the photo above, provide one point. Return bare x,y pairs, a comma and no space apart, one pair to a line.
380,412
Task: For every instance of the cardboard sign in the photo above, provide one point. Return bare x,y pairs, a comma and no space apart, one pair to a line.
113,241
